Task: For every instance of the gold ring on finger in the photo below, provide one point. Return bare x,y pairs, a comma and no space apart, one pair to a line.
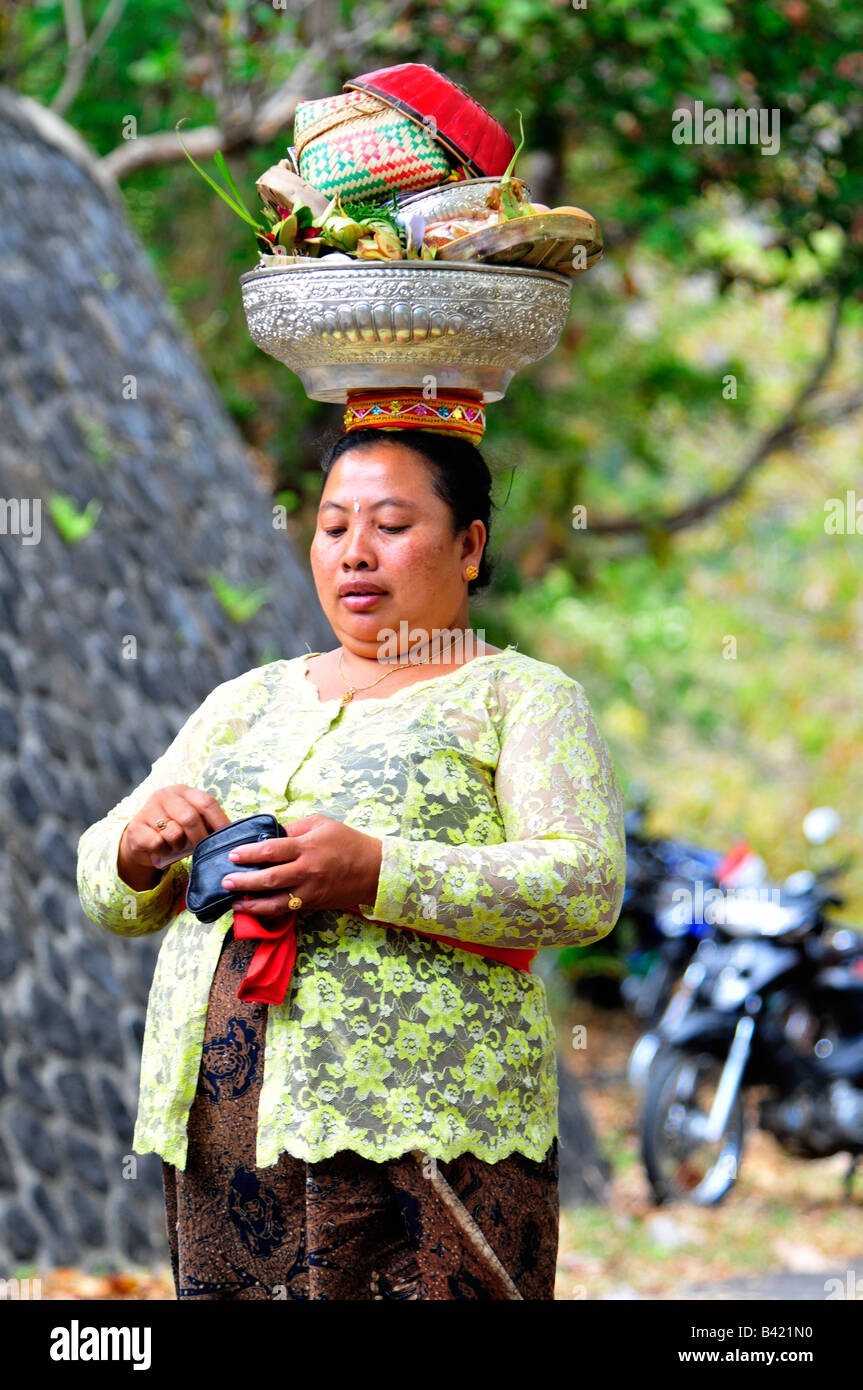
160,824
294,902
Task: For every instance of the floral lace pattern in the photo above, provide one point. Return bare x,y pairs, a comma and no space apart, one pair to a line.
501,823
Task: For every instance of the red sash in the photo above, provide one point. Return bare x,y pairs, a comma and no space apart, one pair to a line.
269,974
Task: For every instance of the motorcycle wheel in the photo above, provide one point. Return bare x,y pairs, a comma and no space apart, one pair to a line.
680,1165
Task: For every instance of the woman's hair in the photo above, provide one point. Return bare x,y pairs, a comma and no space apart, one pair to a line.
460,477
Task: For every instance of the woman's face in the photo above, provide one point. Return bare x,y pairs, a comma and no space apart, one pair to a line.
381,524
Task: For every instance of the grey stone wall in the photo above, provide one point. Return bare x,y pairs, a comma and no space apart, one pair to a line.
80,725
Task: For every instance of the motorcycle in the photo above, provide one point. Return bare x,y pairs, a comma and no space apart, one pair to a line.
683,916
642,959
775,1001
685,907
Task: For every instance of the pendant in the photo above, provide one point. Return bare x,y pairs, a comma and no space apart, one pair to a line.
348,695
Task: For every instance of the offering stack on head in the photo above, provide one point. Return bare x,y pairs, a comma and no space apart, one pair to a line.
403,269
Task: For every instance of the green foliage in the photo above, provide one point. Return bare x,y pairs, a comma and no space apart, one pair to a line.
288,499
96,436
615,73
72,525
240,601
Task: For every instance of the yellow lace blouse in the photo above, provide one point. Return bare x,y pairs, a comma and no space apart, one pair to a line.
501,822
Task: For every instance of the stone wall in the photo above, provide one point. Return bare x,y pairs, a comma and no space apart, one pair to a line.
80,725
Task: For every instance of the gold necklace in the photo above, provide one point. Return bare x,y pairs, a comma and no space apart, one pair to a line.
351,690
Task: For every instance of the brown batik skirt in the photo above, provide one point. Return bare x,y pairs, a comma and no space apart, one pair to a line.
345,1227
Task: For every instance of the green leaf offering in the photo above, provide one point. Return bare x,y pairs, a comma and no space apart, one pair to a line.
510,204
232,198
286,232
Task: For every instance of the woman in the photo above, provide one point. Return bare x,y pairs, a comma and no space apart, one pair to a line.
447,815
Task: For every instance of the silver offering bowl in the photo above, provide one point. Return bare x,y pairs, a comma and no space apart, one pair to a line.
385,324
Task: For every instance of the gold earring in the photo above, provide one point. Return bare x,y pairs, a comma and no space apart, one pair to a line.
471,572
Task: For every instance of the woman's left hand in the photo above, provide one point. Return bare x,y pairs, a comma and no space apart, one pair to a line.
321,860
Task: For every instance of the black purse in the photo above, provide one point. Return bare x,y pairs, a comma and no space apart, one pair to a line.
205,896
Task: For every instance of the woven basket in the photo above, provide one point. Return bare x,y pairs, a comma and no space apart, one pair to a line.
357,146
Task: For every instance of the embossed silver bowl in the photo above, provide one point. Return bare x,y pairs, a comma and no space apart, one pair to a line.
397,323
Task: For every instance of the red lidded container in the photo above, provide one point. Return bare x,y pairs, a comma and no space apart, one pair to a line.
462,126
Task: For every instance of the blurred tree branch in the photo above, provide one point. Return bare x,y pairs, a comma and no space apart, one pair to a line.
247,117
81,49
789,428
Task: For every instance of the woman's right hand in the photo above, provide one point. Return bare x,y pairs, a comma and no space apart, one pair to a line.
145,850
